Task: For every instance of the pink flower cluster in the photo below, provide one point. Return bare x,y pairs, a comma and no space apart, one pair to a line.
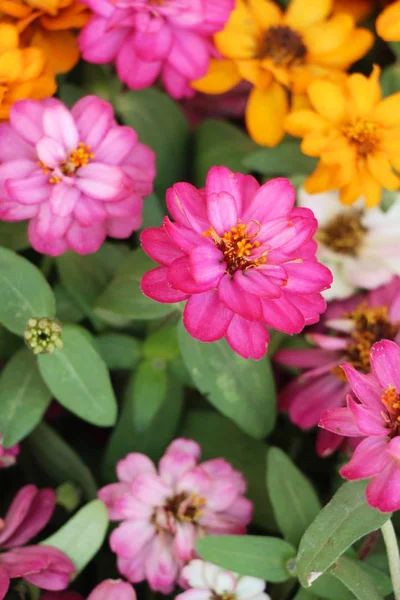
76,175
106,590
164,512
8,456
242,256
152,38
43,566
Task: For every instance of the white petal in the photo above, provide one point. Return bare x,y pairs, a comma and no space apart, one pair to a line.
325,206
248,587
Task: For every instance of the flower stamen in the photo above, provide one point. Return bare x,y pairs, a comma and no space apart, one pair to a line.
391,400
284,46
344,234
363,134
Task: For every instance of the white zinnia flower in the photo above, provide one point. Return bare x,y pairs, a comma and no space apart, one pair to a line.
361,246
209,582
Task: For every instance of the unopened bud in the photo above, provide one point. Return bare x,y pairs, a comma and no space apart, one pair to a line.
43,336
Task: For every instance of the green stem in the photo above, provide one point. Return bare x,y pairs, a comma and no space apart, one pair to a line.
392,549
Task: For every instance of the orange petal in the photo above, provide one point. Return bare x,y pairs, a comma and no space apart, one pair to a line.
365,93
358,9
301,122
8,37
328,35
60,47
265,114
314,143
371,189
266,13
11,66
34,61
74,16
321,180
302,13
338,151
221,77
241,36
381,170
253,71
387,113
351,192
388,23
13,8
328,100
49,6
354,48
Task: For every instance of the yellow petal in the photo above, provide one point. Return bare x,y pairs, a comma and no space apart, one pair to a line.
351,192
301,122
382,171
358,9
328,100
241,35
253,71
13,8
387,113
365,93
221,77
328,35
354,48
8,37
314,143
320,180
279,72
74,16
388,23
11,66
60,48
371,189
265,114
49,6
266,13
338,151
302,13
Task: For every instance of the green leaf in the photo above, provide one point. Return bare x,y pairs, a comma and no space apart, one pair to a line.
355,579
66,309
293,498
219,143
162,344
69,93
123,297
390,80
285,159
14,235
149,390
263,557
242,390
59,460
153,213
160,124
327,586
83,535
24,292
303,594
343,521
78,378
23,397
218,436
9,343
118,350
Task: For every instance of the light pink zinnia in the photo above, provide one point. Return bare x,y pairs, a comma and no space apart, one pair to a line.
43,566
242,257
8,456
109,589
164,512
373,414
77,175
152,38
349,330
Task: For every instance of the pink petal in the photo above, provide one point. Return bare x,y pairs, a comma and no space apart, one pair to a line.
194,594
369,459
154,284
174,464
17,169
383,492
159,246
306,278
180,276
132,509
19,561
26,118
340,421
59,124
275,233
63,199
130,537
110,495
100,181
117,144
314,397
205,317
57,573
327,443
156,46
370,421
221,179
222,212
51,152
39,514
189,54
197,481
304,358
186,239
273,200
176,84
281,314
111,40
134,568
46,245
186,205
206,264
88,211
247,338
33,189
161,566
258,282
94,117
311,306
233,297
134,464
184,541
17,512
132,70
328,342
85,240
365,387
184,446
113,590
4,583
12,146
150,489
385,363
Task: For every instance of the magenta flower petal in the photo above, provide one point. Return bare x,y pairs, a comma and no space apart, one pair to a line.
281,314
205,317
162,566
63,199
184,541
327,443
26,118
385,362
94,118
340,421
111,40
180,276
274,200
34,189
265,281
110,495
154,284
132,70
174,464
233,297
188,207
184,446
113,590
130,537
57,572
158,246
154,47
116,145
59,124
307,277
221,179
186,239
39,514
4,582
134,464
205,264
13,147
364,386
313,398
150,489
383,491
19,562
369,459
100,181
51,152
17,512
222,212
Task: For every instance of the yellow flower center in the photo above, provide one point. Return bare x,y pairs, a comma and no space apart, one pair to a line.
363,134
344,234
284,46
79,157
237,246
391,400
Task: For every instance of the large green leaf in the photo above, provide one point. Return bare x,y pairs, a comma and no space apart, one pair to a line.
150,386
118,350
344,520
242,390
59,460
293,498
79,379
24,292
23,397
83,535
263,557
286,159
14,235
355,579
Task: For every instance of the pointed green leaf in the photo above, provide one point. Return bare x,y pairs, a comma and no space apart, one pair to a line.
150,392
355,579
118,350
285,159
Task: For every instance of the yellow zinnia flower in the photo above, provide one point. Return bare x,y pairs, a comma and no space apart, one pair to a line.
388,23
279,52
23,72
49,25
355,133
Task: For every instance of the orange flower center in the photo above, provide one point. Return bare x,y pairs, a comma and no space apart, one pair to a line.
284,46
186,507
237,246
344,234
79,157
363,134
391,400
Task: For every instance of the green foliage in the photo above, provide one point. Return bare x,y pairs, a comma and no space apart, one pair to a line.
118,350
355,579
285,159
14,235
150,386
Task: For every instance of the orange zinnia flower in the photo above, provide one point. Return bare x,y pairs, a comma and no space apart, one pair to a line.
388,23
355,133
280,52
49,25
359,9
23,72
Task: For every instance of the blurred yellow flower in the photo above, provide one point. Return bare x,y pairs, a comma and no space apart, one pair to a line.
23,71
355,134
278,52
388,23
359,9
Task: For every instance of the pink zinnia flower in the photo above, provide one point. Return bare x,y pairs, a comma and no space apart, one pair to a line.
373,414
43,566
152,38
8,456
164,512
77,175
109,589
349,330
242,256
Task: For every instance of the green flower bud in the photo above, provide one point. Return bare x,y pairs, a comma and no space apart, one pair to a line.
43,336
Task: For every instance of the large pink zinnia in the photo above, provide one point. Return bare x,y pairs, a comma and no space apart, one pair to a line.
152,38
241,256
375,416
349,330
164,512
43,566
77,175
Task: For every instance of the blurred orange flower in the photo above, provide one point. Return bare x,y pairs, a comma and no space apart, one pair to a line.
355,133
388,23
23,71
279,52
359,9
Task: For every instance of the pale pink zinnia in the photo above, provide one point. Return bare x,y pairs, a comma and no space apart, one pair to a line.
349,329
43,566
110,589
148,39
165,511
8,456
241,256
76,175
373,413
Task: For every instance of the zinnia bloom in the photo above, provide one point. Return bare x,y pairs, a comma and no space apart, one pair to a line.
373,413
23,71
164,512
209,582
8,456
43,566
279,52
355,134
360,246
76,175
109,589
242,256
169,39
349,330
388,23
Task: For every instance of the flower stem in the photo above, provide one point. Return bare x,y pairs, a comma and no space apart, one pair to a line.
392,549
